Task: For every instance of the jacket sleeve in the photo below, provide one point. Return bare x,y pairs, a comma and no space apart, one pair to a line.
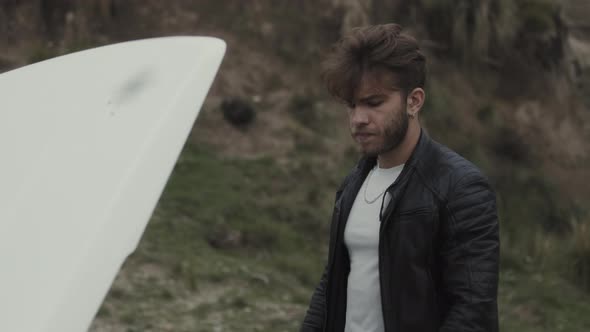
314,318
470,257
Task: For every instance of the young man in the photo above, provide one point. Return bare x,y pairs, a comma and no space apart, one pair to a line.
414,242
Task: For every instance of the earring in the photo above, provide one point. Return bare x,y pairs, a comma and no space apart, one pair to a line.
411,115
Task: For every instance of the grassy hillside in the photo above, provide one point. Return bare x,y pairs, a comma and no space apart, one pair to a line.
239,238
234,245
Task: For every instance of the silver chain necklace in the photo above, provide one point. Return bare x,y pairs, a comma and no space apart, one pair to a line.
371,201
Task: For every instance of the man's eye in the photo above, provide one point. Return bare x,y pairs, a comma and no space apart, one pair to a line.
374,103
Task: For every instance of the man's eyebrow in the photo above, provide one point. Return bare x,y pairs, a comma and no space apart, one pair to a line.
371,97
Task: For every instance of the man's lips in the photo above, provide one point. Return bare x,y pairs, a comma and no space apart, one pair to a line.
362,136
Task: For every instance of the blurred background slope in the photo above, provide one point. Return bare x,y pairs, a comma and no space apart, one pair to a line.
239,238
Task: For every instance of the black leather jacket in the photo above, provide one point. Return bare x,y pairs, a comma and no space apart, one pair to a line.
438,248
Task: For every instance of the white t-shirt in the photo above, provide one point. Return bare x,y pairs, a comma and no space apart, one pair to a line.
361,237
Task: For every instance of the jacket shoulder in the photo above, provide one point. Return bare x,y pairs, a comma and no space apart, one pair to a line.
443,169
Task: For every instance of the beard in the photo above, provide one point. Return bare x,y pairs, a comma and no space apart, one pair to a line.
393,135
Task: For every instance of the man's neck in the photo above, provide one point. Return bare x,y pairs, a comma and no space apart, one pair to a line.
402,152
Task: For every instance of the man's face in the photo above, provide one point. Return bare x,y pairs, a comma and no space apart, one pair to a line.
378,117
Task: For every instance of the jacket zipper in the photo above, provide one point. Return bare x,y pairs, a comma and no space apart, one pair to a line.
383,224
381,277
331,261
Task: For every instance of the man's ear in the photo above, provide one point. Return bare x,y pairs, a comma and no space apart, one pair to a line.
415,101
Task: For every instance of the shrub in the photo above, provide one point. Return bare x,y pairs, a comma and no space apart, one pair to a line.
580,254
508,144
238,112
537,16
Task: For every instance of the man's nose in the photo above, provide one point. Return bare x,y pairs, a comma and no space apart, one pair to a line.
359,116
